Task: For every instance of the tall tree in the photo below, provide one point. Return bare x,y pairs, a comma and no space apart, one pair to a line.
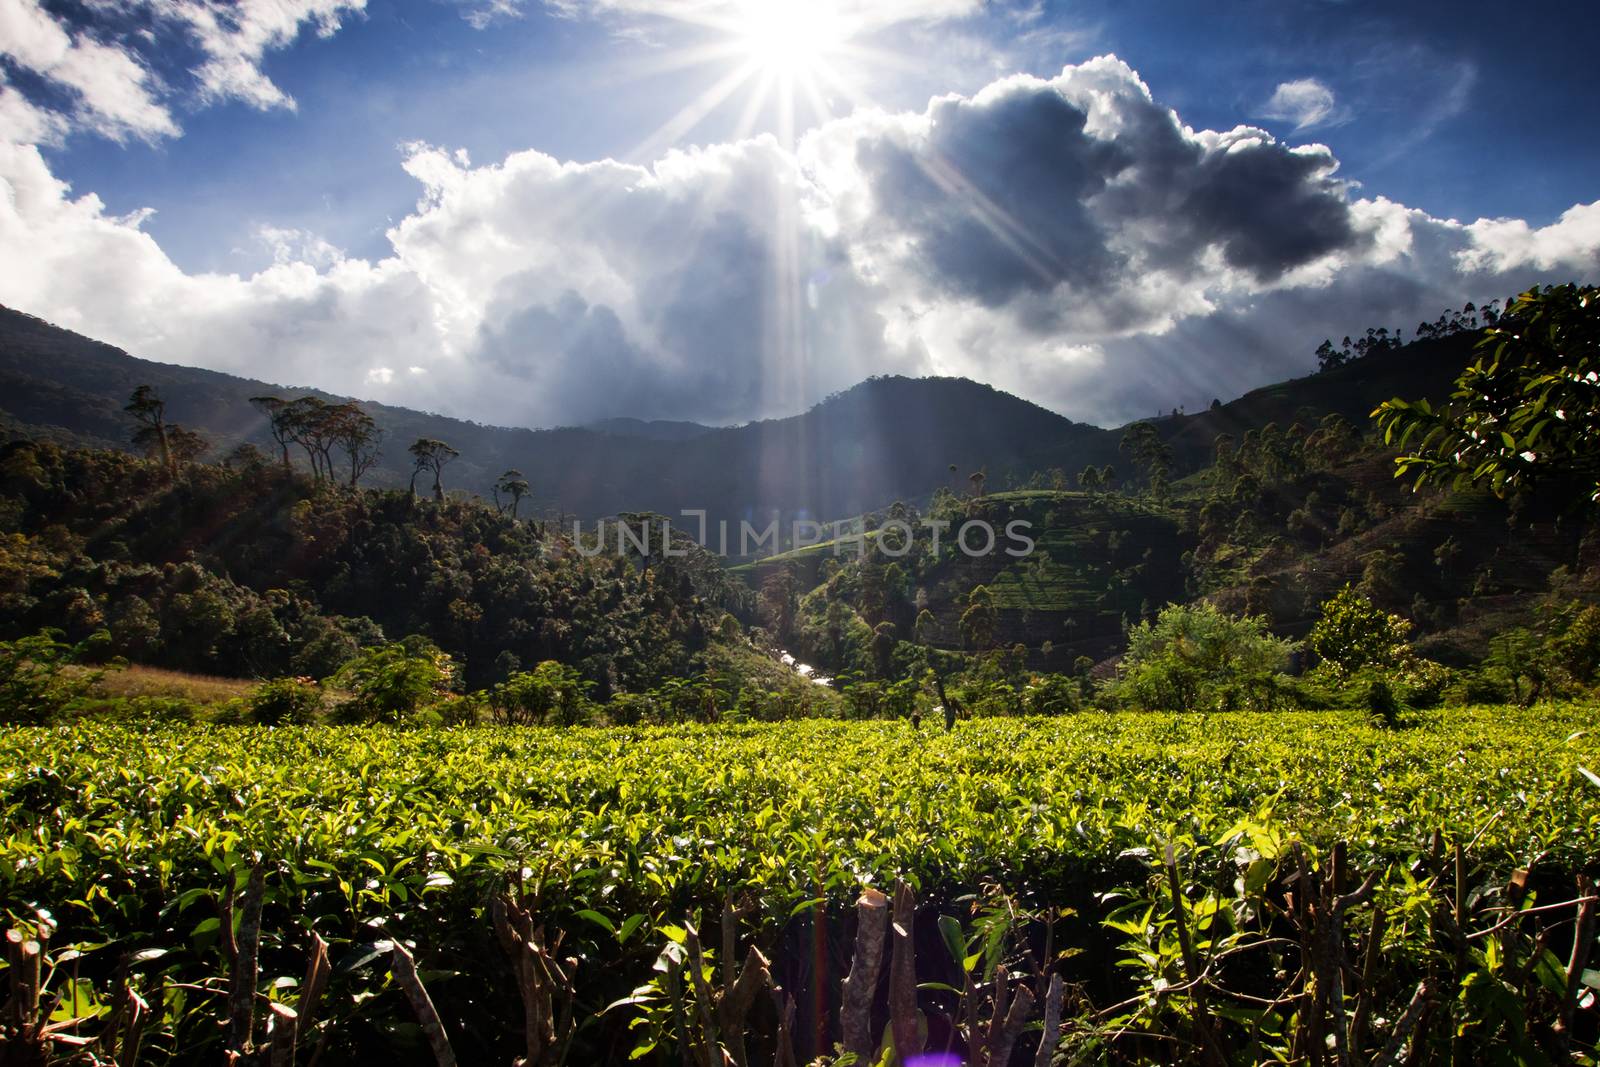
1142,441
305,422
274,408
979,621
513,485
432,456
150,411
356,432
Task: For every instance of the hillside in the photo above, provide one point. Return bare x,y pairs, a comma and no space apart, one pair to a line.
887,438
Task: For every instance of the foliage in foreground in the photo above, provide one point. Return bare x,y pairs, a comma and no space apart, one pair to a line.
144,845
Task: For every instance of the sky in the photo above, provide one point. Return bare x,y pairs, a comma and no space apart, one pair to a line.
547,212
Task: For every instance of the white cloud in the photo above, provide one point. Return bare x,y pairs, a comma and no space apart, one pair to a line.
115,94
1069,239
1511,244
1305,102
234,36
23,123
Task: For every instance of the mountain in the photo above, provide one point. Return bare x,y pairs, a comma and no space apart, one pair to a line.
888,438
651,430
885,439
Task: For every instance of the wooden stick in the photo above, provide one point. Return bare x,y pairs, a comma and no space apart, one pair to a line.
404,969
242,983
784,1003
1406,1024
1582,940
283,1033
317,973
1052,1023
872,921
999,1051
903,977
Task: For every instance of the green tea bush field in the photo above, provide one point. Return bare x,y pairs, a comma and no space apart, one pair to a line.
1184,879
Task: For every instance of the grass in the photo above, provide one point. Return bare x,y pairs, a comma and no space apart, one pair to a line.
202,689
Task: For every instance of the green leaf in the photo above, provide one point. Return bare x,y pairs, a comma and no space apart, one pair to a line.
598,919
629,926
954,940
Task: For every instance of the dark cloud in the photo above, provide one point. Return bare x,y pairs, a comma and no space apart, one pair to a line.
1020,191
997,196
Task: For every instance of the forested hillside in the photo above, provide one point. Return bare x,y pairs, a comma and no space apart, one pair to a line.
251,572
886,438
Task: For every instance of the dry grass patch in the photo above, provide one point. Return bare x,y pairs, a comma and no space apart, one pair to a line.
203,689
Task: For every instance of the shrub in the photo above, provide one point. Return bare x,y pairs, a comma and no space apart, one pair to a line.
285,700
395,683
1381,701
529,698
1354,633
35,682
1051,694
1198,658
629,709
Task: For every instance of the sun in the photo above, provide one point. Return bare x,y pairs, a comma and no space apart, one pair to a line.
789,38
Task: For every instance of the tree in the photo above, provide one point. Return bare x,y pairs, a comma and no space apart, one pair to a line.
883,643
778,600
184,445
1142,441
431,456
278,425
392,683
1330,358
35,683
1526,412
150,412
528,698
1089,479
979,621
356,432
514,485
1353,633
1194,658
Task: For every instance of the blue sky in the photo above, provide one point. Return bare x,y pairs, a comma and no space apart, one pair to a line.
263,177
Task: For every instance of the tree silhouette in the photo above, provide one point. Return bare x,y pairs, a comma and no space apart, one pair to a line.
1142,441
356,432
432,456
274,408
150,411
514,485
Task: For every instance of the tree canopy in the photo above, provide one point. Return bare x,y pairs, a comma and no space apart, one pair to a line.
1526,412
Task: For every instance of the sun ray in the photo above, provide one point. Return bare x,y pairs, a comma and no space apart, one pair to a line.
692,113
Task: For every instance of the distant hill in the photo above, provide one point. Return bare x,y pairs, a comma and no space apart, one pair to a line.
652,430
886,439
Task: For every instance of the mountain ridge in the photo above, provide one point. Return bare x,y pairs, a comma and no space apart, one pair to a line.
884,439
